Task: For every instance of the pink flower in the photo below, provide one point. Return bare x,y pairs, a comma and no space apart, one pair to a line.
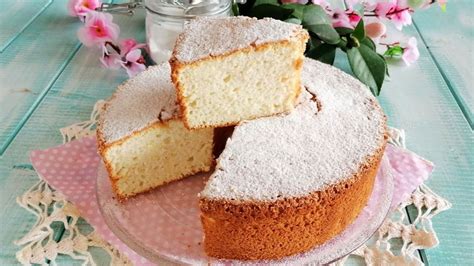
396,10
128,45
354,18
410,52
383,8
79,8
98,29
345,19
126,55
401,18
134,62
110,59
340,19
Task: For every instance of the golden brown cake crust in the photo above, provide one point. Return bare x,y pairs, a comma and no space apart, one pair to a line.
177,66
273,230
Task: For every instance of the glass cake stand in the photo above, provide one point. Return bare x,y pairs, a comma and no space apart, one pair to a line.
164,225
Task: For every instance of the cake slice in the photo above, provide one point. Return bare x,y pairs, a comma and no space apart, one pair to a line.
142,140
287,183
227,70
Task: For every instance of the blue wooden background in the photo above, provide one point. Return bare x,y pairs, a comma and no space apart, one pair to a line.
48,80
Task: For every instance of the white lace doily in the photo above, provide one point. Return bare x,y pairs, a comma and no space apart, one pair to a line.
396,242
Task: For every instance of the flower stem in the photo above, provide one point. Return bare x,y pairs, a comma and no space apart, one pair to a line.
389,13
390,44
115,47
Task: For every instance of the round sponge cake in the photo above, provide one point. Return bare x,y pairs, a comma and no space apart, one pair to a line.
287,183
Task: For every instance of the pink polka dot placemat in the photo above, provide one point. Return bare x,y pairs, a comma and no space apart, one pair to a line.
72,169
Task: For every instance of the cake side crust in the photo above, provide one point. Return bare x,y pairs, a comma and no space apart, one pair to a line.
273,230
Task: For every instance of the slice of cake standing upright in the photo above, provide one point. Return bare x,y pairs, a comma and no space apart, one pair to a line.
231,69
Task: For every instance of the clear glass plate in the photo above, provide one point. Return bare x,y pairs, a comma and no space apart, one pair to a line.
164,225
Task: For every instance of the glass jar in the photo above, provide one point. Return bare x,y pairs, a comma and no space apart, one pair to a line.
165,19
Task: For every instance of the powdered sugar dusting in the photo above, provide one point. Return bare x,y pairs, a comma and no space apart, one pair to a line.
211,36
145,99
306,150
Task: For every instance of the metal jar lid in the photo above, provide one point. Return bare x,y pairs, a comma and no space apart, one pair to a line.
173,8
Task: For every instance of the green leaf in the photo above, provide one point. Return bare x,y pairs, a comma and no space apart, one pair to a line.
352,42
298,10
244,9
385,62
294,21
359,31
325,32
313,42
343,44
270,11
324,53
316,21
266,2
235,9
368,67
314,15
344,31
415,3
367,41
394,51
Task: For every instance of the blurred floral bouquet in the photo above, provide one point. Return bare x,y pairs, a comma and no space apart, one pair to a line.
356,28
100,32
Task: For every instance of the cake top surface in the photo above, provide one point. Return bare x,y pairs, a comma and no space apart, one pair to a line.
319,144
144,99
207,36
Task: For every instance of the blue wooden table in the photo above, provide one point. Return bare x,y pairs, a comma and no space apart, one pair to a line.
48,81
